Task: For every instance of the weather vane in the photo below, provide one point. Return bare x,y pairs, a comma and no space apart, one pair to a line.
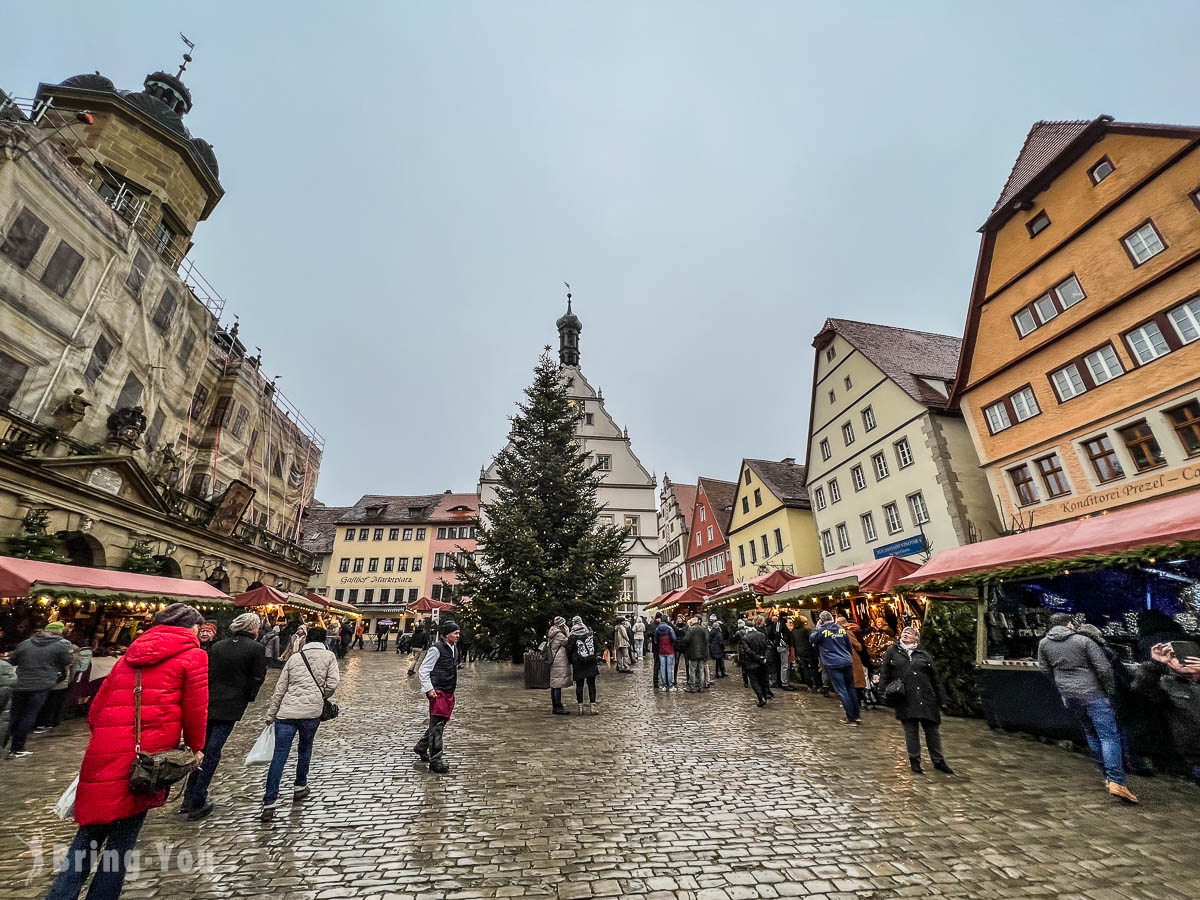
568,284
187,57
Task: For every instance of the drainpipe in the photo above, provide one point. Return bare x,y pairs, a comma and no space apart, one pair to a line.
74,335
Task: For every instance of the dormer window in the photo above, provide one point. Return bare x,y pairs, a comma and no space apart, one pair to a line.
1101,170
374,512
1038,224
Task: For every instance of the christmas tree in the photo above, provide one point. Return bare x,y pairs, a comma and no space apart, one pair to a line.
541,551
141,561
34,542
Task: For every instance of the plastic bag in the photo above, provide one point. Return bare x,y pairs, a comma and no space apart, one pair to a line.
264,747
65,807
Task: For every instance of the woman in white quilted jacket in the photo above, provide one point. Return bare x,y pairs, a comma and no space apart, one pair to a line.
306,680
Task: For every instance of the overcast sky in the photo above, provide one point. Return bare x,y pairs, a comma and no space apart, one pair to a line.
409,184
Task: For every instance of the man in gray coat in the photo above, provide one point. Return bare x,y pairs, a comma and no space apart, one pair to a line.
1084,677
42,661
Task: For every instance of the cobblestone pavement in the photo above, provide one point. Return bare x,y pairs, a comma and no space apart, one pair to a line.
660,796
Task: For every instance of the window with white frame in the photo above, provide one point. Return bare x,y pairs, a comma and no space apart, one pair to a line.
830,353
835,492
843,534
1100,171
997,417
868,417
1147,343
1069,292
1068,382
1024,404
819,497
879,461
703,513
1045,308
825,451
903,453
633,524
1144,243
847,382
1025,320
710,532
1103,365
603,462
920,512
1186,319
832,397
858,477
778,541
848,433
868,527
827,542
891,513
699,539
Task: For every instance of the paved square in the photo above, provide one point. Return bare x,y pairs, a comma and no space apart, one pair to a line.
660,796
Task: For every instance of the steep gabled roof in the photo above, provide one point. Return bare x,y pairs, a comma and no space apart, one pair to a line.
721,495
903,355
784,478
320,527
1043,143
386,508
685,496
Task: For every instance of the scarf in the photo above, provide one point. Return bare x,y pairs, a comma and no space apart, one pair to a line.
580,630
908,648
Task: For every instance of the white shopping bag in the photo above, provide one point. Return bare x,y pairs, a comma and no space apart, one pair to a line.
65,807
264,747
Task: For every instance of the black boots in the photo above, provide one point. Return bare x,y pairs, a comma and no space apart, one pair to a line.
942,767
560,711
915,762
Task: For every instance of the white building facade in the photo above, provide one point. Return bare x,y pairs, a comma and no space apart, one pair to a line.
627,491
892,470
676,503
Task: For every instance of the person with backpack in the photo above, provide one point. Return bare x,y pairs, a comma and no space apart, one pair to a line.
581,653
155,696
555,654
664,645
308,679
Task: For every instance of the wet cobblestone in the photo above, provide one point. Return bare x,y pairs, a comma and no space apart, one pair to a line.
660,796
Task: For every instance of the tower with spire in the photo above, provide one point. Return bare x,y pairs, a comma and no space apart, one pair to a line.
628,489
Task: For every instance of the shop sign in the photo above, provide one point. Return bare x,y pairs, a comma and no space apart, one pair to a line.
373,579
906,547
1160,483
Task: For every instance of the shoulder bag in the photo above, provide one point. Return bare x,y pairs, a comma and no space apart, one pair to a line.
329,709
154,772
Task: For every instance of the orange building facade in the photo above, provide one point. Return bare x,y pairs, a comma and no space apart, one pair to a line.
1080,371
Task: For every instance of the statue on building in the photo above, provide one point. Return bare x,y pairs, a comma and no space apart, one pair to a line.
126,425
70,412
166,473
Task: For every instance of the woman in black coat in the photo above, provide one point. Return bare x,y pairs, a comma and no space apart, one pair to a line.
919,705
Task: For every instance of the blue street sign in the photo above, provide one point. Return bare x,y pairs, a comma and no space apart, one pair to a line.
906,547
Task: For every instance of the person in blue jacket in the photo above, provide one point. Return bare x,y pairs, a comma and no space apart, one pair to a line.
833,646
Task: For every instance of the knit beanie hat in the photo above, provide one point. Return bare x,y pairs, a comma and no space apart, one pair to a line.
449,627
245,623
179,615
578,620
55,627
559,620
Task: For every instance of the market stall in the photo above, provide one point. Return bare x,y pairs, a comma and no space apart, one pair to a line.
335,607
685,602
1134,574
747,595
863,593
273,604
101,610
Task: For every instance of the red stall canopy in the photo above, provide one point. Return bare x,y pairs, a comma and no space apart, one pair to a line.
879,576
23,577
662,599
1161,523
260,596
425,605
688,597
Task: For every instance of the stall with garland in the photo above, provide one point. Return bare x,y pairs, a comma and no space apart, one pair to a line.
747,596
277,606
863,593
685,602
1134,574
101,609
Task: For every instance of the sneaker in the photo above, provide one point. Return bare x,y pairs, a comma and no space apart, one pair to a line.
195,815
268,812
300,794
1120,792
41,729
439,767
18,754
845,722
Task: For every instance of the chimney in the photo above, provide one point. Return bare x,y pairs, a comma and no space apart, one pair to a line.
790,460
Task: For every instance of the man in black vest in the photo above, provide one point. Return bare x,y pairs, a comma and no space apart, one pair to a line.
439,677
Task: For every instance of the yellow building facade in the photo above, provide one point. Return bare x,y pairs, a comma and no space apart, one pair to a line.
772,526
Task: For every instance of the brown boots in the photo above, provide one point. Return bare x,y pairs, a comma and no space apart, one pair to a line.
1120,792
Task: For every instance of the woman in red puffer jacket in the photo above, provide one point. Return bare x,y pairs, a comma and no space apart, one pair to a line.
174,702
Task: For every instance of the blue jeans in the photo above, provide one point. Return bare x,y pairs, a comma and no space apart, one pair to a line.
842,680
113,840
285,731
214,742
666,669
1098,720
25,708
556,698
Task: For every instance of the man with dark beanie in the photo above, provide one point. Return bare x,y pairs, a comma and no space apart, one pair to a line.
439,677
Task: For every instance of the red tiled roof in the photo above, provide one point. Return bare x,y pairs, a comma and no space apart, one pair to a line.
1043,143
720,496
685,496
905,356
